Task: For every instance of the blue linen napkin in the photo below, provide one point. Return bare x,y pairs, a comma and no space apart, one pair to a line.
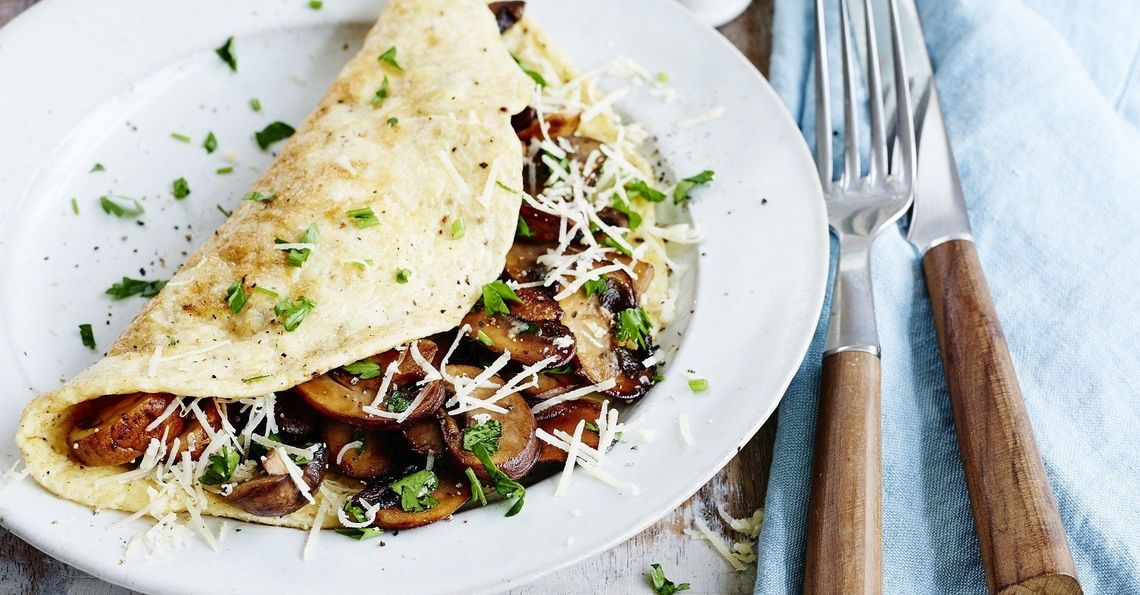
1042,104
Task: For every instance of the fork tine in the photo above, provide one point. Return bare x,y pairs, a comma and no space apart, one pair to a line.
851,166
878,169
822,100
904,124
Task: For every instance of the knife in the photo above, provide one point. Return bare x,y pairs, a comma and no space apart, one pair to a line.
1021,538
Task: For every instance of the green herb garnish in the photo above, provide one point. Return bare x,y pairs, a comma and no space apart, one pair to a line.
236,297
255,104
316,5
397,402
224,170
505,486
634,326
272,133
415,491
363,217
297,256
623,207
402,275
226,53
253,379
128,287
97,167
223,211
487,434
595,286
264,291
87,336
221,467
358,435
180,188
698,385
363,369
211,142
662,77
495,296
505,187
381,93
662,585
74,206
393,121
533,74
681,192
476,487
523,230
389,58
292,312
119,209
593,425
484,339
180,137
567,369
256,196
366,532
458,229
638,188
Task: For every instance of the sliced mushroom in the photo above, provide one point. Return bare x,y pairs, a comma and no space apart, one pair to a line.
544,227
507,13
274,495
424,436
112,430
599,355
565,417
372,458
342,396
296,420
531,332
551,385
522,262
195,437
451,493
518,447
558,125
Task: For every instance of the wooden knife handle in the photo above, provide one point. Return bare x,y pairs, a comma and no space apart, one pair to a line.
845,514
1019,529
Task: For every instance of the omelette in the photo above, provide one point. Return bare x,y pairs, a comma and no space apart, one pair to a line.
442,284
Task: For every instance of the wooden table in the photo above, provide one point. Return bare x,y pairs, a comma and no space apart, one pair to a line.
740,485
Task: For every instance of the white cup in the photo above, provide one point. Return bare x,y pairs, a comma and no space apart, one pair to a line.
716,12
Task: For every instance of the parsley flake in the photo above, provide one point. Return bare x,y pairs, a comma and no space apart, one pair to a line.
236,297
366,532
256,196
297,256
87,336
504,485
221,467
255,104
180,188
363,217
381,93
393,121
316,5
662,77
275,131
397,402
496,294
698,385
292,312
264,291
623,207
662,585
476,487
595,286
129,287
487,434
415,491
505,187
402,275
211,142
681,192
97,167
363,369
389,58
638,188
634,326
226,53
180,137
533,74
74,206
523,230
458,229
224,170
484,339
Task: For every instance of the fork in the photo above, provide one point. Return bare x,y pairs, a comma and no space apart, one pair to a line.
844,531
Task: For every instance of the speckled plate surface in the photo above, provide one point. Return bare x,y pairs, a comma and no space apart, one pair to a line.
108,82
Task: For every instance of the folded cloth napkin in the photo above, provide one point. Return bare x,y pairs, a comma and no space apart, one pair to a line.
1042,104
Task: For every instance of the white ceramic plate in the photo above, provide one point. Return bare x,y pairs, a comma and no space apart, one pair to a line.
108,82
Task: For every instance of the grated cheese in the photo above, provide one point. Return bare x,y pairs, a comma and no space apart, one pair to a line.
701,118
574,394
686,431
703,532
295,474
315,530
346,448
11,477
449,166
571,459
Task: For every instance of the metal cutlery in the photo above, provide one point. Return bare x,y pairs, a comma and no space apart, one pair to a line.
844,531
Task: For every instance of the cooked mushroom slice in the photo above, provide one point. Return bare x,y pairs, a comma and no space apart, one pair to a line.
450,493
565,417
195,436
552,384
598,353
522,262
370,458
518,447
558,125
343,396
531,333
507,13
623,291
112,430
276,494
424,436
296,420
543,227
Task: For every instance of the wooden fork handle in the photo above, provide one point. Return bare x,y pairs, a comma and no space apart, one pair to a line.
1020,533
845,515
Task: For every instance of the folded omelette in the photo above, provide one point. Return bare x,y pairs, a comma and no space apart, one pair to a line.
390,219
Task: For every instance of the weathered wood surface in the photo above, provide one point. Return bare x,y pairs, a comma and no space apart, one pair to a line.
740,485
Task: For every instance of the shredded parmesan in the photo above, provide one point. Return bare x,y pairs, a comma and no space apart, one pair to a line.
574,394
721,547
452,172
315,530
346,448
701,118
686,431
571,458
11,477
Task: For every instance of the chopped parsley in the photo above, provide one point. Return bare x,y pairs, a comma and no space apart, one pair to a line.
275,131
662,585
87,336
638,188
698,385
316,5
681,192
662,77
296,257
358,435
226,53
505,187
292,312
253,379
180,137
389,58
593,426
363,369
623,207
566,369
458,229
402,275
74,206
415,491
495,296
533,74
393,121
224,170
397,402
487,434
236,297
609,242
264,291
505,486
484,339
595,286
255,104
634,326
97,167
476,487
366,532
211,142
223,211
523,230
128,287
180,188
381,93
221,467
256,196
363,217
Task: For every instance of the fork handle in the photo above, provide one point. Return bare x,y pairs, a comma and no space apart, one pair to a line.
1019,529
845,516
